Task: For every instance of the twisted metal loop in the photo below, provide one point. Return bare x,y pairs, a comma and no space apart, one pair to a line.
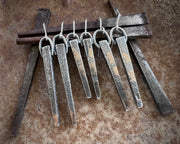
60,36
85,33
47,39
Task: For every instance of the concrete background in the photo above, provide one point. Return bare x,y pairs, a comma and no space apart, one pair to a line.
98,121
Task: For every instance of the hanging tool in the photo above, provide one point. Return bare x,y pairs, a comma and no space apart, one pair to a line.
61,50
104,45
121,42
88,47
47,53
74,44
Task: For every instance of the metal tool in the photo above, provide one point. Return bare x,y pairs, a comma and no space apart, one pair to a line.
163,103
61,50
43,16
125,57
74,44
104,45
46,53
88,47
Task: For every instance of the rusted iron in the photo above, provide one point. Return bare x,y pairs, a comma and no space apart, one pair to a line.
114,71
61,54
133,32
163,103
125,57
42,17
46,54
87,42
74,44
130,20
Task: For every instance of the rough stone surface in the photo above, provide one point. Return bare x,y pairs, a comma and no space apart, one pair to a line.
98,121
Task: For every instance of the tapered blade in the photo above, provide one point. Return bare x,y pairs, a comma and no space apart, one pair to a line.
163,103
124,53
61,54
49,73
80,65
92,65
114,71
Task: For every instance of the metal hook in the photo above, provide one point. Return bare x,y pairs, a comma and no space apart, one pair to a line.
85,27
73,28
117,21
100,24
61,33
45,32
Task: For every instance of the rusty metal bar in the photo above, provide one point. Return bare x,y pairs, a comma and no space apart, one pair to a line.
130,20
43,16
80,65
132,32
92,65
114,71
61,54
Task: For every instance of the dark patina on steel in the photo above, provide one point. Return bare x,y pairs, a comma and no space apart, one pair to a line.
49,73
80,65
125,57
92,65
163,103
104,45
62,59
43,16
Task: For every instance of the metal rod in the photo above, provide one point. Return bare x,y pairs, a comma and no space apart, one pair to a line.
132,33
49,73
61,54
130,20
114,71
92,65
43,16
80,65
125,57
163,103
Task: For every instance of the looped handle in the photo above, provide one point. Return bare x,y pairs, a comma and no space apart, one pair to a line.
101,31
117,29
73,35
64,40
47,39
85,33
60,36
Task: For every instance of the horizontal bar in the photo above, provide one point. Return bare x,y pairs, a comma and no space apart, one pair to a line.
130,20
132,33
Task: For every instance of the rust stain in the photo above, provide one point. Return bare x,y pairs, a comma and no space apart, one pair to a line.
93,67
132,75
109,56
115,70
56,121
76,54
126,57
72,117
90,53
